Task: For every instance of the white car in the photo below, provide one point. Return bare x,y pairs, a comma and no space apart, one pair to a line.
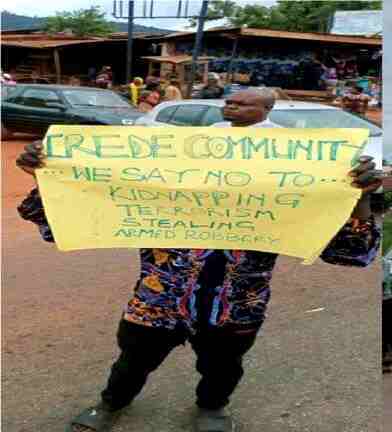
289,114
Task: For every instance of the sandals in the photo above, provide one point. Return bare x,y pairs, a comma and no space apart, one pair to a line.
98,419
213,421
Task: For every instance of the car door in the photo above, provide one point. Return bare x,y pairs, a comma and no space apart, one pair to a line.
212,115
188,115
33,110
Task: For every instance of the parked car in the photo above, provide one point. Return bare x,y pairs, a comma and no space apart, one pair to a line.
289,114
32,108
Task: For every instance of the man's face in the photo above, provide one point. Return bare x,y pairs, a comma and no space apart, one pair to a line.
244,109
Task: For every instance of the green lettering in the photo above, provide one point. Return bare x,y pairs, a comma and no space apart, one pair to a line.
100,146
156,146
102,174
140,148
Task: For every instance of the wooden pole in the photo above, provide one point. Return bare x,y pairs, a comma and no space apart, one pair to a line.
198,46
131,8
57,65
230,70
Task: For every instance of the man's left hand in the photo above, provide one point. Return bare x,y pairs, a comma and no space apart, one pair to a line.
368,179
365,176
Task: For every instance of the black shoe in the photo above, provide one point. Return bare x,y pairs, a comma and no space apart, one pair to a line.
213,421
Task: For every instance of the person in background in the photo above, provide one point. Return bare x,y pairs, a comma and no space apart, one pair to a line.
351,70
355,101
313,70
330,77
214,299
135,89
105,78
213,89
7,78
34,77
74,81
172,91
151,97
92,75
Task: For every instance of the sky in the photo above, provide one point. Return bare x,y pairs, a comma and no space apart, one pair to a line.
163,7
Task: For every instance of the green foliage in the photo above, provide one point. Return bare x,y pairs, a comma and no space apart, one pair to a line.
306,16
387,234
83,22
388,199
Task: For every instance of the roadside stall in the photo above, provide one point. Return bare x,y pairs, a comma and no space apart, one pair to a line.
178,66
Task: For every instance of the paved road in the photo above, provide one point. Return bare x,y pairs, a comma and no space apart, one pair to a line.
309,372
387,386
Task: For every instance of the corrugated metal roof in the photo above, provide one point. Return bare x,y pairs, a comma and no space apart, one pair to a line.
41,44
43,40
175,59
366,23
321,37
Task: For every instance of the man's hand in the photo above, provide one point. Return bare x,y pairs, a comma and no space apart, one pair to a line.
32,158
368,179
365,176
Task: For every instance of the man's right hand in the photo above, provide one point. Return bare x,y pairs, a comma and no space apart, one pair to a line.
32,158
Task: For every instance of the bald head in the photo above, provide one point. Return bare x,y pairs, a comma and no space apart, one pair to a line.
248,107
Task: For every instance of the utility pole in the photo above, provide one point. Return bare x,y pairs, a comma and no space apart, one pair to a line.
148,13
131,8
198,45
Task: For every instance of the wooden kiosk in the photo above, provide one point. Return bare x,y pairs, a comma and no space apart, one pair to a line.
180,66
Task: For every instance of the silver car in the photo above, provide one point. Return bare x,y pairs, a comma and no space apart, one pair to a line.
289,114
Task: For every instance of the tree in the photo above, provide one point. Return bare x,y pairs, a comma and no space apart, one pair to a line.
83,22
316,15
306,16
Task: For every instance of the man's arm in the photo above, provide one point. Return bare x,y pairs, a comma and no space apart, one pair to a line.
31,208
358,242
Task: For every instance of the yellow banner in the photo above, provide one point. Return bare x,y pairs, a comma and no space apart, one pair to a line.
275,190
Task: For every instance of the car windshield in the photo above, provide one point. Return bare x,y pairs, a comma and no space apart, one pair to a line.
327,118
89,98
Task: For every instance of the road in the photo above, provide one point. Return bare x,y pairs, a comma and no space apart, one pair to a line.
309,371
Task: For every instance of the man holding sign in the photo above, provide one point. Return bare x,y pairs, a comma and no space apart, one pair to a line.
215,299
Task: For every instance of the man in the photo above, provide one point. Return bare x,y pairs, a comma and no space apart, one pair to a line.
105,78
172,91
313,69
213,89
214,299
355,101
239,109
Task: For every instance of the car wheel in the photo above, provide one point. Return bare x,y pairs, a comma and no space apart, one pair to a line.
6,134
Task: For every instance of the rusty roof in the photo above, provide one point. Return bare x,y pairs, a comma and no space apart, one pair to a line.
320,37
44,40
255,32
175,59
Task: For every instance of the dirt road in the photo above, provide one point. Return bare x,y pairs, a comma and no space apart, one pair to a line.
309,372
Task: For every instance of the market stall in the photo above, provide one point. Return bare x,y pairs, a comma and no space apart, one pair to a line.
179,66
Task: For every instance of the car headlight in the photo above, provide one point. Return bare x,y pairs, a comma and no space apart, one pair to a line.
127,122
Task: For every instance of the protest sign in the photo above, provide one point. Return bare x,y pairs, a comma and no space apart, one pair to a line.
275,190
